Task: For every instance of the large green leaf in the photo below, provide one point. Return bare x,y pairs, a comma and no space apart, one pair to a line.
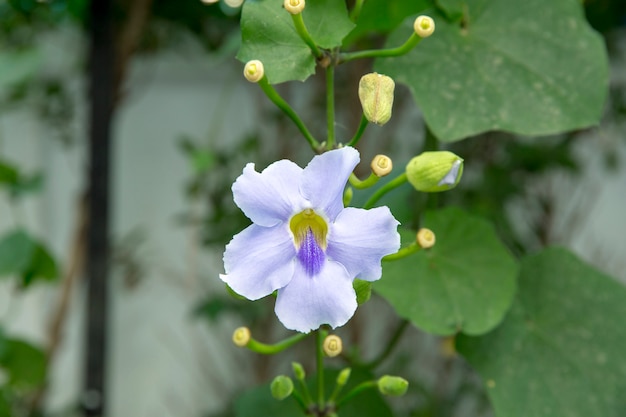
268,34
560,351
24,364
466,282
530,67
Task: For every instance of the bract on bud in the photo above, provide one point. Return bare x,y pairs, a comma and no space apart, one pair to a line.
294,6
376,95
344,376
381,165
298,371
392,385
254,71
363,290
434,171
332,345
425,238
241,336
282,387
424,26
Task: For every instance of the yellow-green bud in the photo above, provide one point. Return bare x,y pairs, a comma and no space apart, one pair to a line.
233,3
282,387
363,290
425,238
344,376
424,26
294,6
381,165
435,171
392,385
254,71
298,371
376,95
241,336
332,345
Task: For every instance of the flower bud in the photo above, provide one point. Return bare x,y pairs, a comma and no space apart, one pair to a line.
233,3
254,71
298,371
209,1
282,387
434,171
241,336
425,238
332,345
376,95
424,26
381,165
294,6
392,385
343,377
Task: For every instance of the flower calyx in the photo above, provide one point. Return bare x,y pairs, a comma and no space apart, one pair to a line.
394,386
435,171
281,387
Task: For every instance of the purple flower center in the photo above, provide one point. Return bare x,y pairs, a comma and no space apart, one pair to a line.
310,254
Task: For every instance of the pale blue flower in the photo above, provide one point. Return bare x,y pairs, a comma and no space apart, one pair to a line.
304,243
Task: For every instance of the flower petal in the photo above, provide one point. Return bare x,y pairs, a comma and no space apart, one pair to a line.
308,302
259,260
360,238
271,196
324,179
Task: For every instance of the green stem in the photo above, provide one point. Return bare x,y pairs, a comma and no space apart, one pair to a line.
320,336
403,253
413,40
267,349
300,400
394,183
393,341
330,106
273,95
356,10
356,390
366,183
357,136
305,35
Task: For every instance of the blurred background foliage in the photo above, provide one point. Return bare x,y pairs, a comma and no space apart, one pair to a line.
502,170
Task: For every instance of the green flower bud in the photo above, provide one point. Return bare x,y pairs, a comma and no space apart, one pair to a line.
298,371
343,377
282,387
363,290
376,95
435,171
392,385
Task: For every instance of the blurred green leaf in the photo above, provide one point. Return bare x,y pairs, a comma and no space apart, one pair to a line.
22,256
466,282
5,406
42,266
560,351
16,66
268,34
527,67
8,173
24,364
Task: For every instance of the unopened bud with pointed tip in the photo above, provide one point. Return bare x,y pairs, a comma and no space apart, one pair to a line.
381,165
298,371
434,171
376,95
254,71
425,238
332,345
282,387
241,336
344,376
294,6
392,385
424,26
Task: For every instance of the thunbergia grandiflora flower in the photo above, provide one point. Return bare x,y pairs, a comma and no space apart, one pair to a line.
304,243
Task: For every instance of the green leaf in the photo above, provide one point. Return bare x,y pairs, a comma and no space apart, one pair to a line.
8,173
259,401
18,65
530,67
382,16
268,34
466,282
16,252
42,266
560,351
24,364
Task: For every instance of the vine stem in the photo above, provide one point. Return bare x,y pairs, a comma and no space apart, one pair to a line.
410,43
273,95
330,106
356,10
356,390
267,349
394,183
298,22
357,136
320,335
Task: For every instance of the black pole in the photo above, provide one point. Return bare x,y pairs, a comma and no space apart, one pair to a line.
101,91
